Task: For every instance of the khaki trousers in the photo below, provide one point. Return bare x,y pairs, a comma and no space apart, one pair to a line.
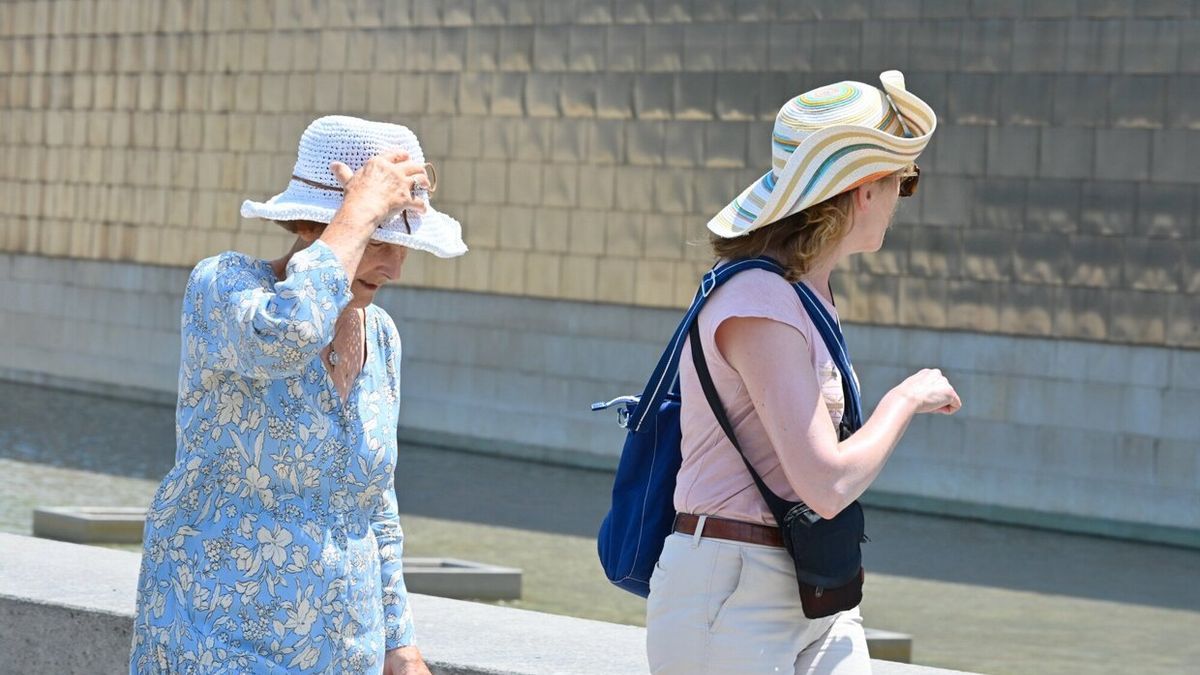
726,607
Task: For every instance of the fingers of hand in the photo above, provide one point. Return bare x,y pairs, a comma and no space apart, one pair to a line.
951,408
417,181
396,157
341,172
932,387
951,402
411,173
413,169
947,393
418,187
403,179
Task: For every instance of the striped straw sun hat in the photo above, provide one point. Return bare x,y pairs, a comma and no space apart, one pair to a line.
828,141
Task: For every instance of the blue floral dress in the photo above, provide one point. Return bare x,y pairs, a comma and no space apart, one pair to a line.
274,544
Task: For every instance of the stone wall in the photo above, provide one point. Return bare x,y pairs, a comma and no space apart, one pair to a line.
1051,260
1077,435
584,143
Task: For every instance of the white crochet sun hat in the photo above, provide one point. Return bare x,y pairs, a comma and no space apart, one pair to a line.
314,193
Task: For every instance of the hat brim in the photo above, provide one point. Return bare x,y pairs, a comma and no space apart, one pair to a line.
829,162
437,233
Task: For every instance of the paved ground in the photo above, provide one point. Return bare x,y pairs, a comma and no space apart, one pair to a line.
975,596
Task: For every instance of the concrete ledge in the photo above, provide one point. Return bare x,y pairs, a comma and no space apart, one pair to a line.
461,579
90,524
443,577
889,646
66,608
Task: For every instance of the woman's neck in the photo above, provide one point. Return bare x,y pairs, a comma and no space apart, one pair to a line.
818,277
348,319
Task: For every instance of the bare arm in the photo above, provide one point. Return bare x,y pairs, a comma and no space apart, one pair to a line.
825,473
382,187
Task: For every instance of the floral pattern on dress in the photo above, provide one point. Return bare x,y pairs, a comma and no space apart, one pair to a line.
274,544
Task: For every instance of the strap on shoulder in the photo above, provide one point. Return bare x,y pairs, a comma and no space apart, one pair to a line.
835,342
666,374
778,505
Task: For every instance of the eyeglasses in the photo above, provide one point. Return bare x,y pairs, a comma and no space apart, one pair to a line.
909,180
432,173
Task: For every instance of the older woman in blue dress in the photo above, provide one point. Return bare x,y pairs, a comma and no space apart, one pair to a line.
274,545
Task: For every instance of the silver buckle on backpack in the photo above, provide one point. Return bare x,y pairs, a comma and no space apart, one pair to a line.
708,283
627,403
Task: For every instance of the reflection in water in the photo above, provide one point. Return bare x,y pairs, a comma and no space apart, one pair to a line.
81,431
137,440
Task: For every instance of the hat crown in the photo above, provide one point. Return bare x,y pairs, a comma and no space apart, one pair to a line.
841,103
352,141
828,141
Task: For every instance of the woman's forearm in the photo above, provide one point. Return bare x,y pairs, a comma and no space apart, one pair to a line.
827,474
863,455
350,230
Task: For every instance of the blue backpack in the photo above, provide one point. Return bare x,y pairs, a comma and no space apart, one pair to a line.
643,510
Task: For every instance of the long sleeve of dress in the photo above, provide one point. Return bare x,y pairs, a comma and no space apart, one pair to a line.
397,615
385,522
271,331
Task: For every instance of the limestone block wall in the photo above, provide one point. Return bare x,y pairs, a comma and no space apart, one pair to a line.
1062,433
584,143
1051,260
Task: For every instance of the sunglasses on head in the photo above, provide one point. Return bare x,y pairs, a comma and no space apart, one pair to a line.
909,180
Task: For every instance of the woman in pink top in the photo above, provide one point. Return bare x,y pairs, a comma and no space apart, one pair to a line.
724,598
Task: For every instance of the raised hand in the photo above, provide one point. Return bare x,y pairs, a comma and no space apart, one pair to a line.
386,184
931,392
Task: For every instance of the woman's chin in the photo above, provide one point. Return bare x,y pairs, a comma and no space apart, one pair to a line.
362,293
360,299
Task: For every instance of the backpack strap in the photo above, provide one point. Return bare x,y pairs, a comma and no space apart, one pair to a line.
665,378
835,342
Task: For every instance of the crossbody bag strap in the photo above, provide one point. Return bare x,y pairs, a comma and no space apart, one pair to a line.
779,506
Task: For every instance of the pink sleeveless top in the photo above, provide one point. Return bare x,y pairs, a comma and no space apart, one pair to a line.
712,479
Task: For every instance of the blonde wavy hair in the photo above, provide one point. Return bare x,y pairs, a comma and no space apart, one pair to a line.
797,240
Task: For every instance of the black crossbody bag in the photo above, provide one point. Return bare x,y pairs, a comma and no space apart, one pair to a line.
827,553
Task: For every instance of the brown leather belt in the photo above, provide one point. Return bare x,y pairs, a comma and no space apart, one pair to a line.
732,530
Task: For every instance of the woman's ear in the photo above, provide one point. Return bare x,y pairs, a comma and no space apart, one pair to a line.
862,197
